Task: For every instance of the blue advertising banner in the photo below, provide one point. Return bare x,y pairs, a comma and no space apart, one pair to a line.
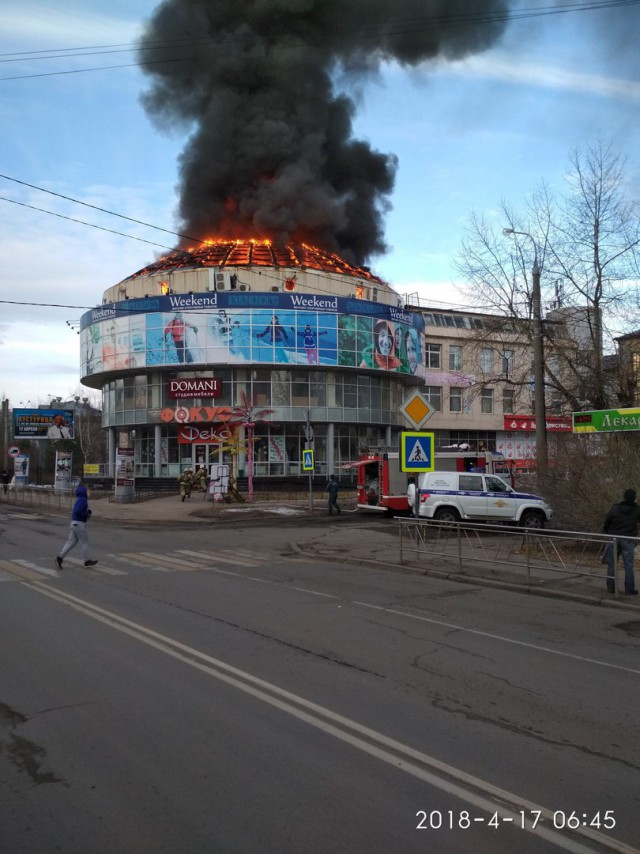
249,300
236,328
43,423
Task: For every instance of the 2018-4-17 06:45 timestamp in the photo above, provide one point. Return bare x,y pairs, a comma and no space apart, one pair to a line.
524,819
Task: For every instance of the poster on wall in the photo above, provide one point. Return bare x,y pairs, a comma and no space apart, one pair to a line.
21,469
62,479
124,467
277,452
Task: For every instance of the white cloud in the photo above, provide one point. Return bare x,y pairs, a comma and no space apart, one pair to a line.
51,25
517,72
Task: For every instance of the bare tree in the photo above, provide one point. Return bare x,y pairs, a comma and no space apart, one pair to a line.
586,239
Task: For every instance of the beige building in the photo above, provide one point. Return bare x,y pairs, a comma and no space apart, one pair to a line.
479,372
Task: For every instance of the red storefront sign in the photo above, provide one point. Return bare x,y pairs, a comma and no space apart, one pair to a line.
188,435
194,387
554,423
196,414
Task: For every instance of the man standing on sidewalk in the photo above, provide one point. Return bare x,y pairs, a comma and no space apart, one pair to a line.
622,522
78,529
332,489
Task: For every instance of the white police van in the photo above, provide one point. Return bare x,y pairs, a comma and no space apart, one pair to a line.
454,496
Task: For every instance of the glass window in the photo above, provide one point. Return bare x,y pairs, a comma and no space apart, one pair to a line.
280,388
376,395
455,357
507,361
364,393
508,400
471,482
486,400
486,360
496,484
350,396
433,393
455,400
433,355
140,392
318,383
300,389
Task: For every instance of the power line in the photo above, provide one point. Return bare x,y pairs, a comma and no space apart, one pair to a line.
102,210
82,222
410,25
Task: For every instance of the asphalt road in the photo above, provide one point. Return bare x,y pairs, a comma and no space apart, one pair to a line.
217,690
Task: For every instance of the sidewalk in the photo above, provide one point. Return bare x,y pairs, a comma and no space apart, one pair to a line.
352,538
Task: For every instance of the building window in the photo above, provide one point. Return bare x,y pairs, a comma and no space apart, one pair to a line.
433,355
507,362
455,358
455,400
486,400
508,400
433,393
486,360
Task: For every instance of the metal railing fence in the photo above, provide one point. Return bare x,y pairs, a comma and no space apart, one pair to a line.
537,557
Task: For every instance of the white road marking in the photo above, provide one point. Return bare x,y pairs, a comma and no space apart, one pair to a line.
472,790
222,557
501,638
44,570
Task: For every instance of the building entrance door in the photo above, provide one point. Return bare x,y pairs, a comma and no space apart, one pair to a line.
206,455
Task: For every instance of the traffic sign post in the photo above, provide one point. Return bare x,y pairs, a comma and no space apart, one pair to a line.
417,452
309,466
416,409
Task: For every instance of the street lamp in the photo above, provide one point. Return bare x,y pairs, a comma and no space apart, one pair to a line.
538,357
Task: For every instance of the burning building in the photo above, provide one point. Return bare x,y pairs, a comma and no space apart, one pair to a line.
302,334
283,315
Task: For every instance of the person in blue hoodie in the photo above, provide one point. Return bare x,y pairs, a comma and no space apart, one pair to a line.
78,529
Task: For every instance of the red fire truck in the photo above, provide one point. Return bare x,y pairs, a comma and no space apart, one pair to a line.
382,486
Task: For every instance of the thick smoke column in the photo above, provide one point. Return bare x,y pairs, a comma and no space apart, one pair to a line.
271,153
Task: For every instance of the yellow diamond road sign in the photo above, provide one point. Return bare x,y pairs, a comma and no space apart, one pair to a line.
416,409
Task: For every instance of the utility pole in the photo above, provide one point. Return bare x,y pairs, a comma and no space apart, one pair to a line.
5,431
309,445
542,458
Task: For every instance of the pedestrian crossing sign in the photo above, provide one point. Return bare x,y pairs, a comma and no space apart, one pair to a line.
307,460
417,451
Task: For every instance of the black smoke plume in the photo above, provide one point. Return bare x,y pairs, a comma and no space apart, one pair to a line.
271,152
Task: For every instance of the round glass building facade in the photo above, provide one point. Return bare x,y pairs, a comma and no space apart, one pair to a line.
301,335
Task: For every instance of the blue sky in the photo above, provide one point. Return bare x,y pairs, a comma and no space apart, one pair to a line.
467,134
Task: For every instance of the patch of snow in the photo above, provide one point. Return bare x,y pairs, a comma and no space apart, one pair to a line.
283,511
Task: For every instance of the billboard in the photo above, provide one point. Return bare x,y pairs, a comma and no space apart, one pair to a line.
252,328
43,423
